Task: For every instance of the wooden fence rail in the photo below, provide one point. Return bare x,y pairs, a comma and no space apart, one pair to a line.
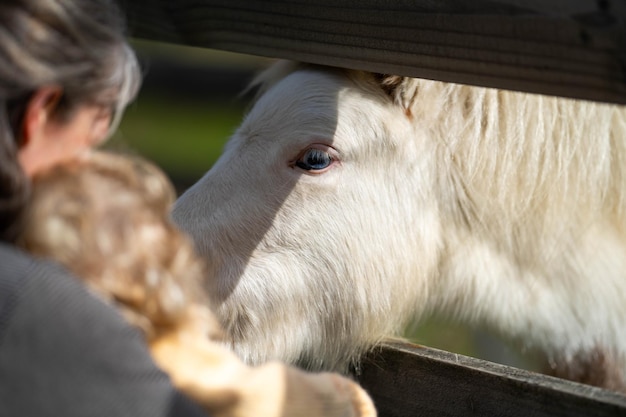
408,381
573,48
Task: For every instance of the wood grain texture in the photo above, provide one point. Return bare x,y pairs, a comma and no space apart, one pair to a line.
572,48
412,380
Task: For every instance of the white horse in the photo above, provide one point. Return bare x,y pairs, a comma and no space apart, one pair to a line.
348,203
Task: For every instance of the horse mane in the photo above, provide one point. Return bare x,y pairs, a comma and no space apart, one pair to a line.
528,154
269,76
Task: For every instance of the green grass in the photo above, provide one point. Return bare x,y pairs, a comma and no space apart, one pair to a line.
444,335
183,137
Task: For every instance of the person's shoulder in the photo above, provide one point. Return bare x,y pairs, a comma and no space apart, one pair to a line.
71,350
14,270
35,286
19,271
17,266
13,261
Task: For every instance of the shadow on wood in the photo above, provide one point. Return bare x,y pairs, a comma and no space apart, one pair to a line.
412,380
573,48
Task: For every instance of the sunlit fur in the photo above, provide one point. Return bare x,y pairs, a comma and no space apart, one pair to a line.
494,207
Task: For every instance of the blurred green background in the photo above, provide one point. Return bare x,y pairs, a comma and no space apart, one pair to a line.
188,107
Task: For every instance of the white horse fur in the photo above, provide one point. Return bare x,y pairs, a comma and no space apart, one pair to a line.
348,203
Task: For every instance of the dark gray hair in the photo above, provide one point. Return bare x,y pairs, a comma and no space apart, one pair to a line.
78,45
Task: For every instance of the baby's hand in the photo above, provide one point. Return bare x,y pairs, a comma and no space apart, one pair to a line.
219,381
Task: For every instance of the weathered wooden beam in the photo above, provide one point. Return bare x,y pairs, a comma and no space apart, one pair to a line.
411,380
572,48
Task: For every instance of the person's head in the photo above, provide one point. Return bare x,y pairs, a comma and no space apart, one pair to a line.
106,218
66,74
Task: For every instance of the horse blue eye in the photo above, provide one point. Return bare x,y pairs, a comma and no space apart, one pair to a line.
314,159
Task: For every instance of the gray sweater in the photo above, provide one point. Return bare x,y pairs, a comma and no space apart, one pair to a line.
63,352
